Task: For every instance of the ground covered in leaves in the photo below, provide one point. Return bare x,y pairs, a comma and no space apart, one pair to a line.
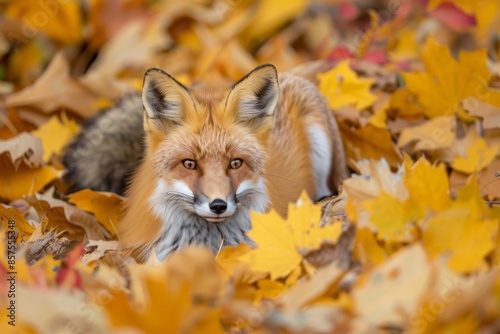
411,244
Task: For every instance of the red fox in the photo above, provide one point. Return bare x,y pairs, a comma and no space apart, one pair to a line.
210,156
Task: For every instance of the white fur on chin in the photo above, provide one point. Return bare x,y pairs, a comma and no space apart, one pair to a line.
183,227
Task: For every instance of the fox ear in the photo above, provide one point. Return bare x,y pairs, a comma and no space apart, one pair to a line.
255,97
164,98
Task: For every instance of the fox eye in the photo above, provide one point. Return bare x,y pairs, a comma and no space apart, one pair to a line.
189,164
235,164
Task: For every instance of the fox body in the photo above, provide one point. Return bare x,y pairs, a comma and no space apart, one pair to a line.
210,156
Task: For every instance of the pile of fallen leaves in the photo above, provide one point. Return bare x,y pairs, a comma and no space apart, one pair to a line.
411,244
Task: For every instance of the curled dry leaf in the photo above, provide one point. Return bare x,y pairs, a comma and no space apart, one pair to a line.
23,148
98,250
61,213
48,243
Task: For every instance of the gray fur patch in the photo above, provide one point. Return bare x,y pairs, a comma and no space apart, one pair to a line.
107,150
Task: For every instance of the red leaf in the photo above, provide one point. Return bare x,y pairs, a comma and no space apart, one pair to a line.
453,17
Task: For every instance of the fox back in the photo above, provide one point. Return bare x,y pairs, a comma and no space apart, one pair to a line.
213,155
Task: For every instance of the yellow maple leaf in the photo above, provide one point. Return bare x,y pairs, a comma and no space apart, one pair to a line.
448,81
279,241
341,86
106,207
428,187
479,156
465,238
391,217
56,134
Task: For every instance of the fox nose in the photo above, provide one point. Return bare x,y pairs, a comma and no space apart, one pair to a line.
218,206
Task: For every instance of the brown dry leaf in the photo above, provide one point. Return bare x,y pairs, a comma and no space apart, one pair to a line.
25,146
100,247
333,208
348,114
339,253
68,216
106,207
55,90
369,142
48,243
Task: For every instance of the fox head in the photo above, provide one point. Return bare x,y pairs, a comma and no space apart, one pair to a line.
209,148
